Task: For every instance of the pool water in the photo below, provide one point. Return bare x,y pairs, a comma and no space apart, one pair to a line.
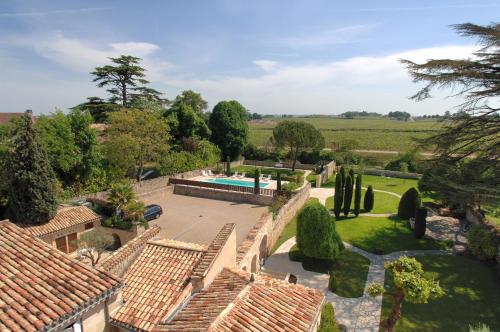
235,182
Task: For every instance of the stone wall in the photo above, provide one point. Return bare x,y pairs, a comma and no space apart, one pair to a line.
391,174
275,164
224,195
325,175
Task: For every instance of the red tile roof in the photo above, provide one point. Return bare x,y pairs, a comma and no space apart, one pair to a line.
40,287
6,117
157,282
127,252
234,302
65,218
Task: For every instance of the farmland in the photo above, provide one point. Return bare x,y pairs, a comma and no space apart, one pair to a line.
370,133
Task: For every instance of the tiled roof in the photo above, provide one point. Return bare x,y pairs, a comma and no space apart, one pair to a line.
131,248
40,287
249,240
65,218
213,250
6,117
234,302
156,283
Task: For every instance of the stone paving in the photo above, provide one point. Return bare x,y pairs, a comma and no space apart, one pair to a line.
322,194
356,314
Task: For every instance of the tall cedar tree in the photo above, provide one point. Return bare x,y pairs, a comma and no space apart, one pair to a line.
122,78
473,131
297,136
369,200
357,196
32,182
229,126
347,195
337,199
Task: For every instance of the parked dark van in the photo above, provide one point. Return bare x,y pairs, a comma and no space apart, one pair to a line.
152,211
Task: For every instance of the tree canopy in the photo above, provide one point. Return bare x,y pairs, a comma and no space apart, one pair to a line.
135,137
297,136
229,126
474,131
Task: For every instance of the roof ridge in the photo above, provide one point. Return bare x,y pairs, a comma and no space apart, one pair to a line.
171,243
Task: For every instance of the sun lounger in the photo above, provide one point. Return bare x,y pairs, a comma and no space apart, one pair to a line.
204,173
210,172
243,175
235,175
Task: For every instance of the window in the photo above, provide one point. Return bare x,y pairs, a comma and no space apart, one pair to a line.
61,244
72,242
89,225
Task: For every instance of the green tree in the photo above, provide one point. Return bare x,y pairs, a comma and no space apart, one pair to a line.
473,131
297,136
411,285
184,122
316,235
120,195
369,200
228,166
347,195
409,203
257,181
338,198
420,222
94,243
278,180
124,75
32,197
98,108
135,138
357,196
328,321
229,126
192,99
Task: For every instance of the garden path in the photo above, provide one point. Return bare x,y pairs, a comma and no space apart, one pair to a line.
322,194
360,314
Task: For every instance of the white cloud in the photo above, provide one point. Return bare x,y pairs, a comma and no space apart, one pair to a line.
266,65
54,12
378,83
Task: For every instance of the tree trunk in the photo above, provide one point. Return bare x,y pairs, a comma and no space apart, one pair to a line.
395,314
294,155
139,171
124,95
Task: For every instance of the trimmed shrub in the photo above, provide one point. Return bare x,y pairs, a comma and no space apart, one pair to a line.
348,195
278,181
357,196
420,222
369,199
409,203
228,166
316,235
353,177
337,200
328,321
482,242
332,282
342,174
256,185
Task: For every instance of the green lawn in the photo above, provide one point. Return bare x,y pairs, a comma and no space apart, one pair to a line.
395,185
383,235
290,229
492,213
384,203
472,296
312,179
350,270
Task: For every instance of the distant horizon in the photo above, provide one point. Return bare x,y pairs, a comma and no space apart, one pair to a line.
294,57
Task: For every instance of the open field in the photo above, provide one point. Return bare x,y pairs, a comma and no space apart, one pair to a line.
375,134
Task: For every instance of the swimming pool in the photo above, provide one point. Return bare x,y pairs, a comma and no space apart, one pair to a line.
235,182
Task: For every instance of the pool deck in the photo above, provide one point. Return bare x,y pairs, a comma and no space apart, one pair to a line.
271,183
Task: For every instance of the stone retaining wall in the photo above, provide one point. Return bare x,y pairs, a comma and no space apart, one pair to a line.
224,195
275,164
392,174
325,175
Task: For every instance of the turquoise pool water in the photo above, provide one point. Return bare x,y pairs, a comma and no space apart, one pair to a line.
235,182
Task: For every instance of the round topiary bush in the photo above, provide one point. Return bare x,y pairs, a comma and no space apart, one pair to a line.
316,235
409,203
420,223
369,200
482,242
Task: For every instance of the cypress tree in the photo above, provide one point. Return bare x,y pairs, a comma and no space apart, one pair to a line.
228,166
32,182
278,181
369,199
256,188
353,177
357,196
342,174
420,222
347,195
337,201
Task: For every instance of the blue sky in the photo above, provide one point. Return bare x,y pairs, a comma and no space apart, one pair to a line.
294,57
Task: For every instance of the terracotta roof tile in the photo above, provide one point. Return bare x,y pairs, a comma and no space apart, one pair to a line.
131,248
156,283
40,286
65,218
235,303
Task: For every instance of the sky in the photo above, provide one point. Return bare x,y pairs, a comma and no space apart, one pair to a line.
274,57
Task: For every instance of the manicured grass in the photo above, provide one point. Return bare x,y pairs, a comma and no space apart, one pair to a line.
312,179
330,183
350,270
290,229
395,185
384,203
492,214
472,296
383,235
329,202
